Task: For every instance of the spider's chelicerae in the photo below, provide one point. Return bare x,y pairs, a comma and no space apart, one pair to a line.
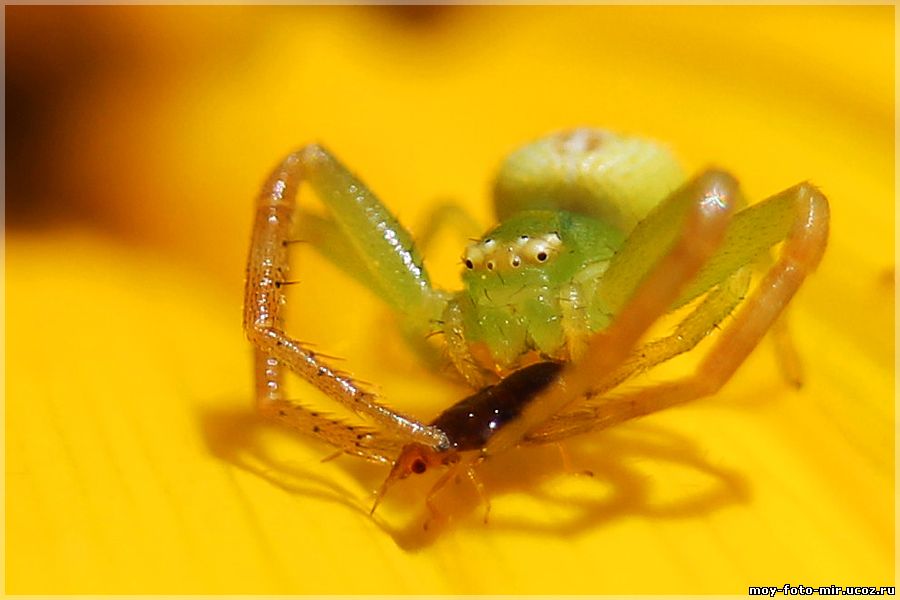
599,235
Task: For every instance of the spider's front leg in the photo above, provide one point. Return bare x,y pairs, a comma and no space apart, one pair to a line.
804,211
667,249
388,255
798,216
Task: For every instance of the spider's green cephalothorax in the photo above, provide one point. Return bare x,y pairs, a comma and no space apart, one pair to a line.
567,202
518,276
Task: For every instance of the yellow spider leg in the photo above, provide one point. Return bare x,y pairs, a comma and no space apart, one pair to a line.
267,267
800,255
703,209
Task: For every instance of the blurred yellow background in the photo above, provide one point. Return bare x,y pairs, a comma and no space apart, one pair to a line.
136,140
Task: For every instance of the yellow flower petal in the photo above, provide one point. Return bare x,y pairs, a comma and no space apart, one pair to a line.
133,460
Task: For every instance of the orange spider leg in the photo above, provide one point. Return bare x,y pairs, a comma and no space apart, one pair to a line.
800,255
703,207
267,268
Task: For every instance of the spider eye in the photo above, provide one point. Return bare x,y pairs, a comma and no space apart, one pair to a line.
541,256
469,264
515,261
418,466
490,265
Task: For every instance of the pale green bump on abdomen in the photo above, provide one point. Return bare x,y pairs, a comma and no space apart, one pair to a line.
617,179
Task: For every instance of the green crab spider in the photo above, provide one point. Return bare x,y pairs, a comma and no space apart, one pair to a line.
599,236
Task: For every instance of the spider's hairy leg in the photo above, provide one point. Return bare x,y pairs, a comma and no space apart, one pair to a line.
326,236
806,213
690,225
717,305
384,246
381,238
689,332
351,439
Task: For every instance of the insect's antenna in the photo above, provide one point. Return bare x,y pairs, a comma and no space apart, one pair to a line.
414,458
388,482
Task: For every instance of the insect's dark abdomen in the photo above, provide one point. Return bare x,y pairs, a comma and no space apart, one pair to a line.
470,422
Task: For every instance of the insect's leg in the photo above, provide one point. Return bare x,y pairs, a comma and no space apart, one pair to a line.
435,513
567,461
391,258
689,226
467,467
806,211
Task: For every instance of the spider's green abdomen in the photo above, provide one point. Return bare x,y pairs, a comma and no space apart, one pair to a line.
519,276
